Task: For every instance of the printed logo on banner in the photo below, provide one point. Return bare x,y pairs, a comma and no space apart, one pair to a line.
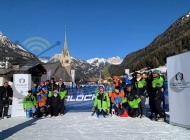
178,83
179,76
22,80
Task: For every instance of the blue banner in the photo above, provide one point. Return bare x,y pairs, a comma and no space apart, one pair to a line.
81,98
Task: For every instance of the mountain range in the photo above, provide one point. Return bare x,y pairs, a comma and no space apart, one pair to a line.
87,69
94,61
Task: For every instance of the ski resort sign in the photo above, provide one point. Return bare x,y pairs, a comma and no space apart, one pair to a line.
21,85
179,89
178,83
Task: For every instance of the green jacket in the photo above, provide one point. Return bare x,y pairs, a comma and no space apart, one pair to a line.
102,101
29,102
140,84
124,100
134,103
140,87
63,94
50,94
157,82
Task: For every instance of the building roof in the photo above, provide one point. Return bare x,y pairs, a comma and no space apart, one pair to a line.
55,70
28,67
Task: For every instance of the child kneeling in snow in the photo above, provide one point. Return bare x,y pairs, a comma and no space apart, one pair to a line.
116,100
101,103
133,101
41,103
29,104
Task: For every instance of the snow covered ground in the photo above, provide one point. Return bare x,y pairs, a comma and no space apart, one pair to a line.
82,126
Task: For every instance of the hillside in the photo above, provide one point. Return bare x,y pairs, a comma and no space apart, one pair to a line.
175,40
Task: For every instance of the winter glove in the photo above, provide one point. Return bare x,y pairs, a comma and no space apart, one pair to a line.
108,110
93,108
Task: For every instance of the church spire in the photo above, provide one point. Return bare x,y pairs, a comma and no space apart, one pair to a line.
65,41
65,55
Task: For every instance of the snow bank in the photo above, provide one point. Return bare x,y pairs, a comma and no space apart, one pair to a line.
82,126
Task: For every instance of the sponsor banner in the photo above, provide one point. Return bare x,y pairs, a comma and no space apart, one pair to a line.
21,85
81,98
179,89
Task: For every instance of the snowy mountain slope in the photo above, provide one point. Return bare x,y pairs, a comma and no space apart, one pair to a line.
94,61
87,69
15,52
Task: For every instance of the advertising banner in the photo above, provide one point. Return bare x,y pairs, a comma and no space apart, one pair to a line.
81,98
179,89
21,85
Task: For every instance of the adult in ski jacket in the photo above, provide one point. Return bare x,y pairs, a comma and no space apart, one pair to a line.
51,87
140,89
6,94
102,102
157,91
133,101
55,103
62,93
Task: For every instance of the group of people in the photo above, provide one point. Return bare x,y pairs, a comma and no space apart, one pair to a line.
130,96
46,99
122,98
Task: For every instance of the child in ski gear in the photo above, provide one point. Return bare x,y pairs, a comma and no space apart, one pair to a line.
54,104
116,100
101,103
41,103
29,103
133,101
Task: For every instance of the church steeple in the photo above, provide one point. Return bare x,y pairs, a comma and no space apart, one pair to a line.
65,55
65,41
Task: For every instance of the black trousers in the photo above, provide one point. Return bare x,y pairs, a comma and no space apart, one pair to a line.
101,112
152,104
134,112
62,109
4,107
54,111
41,111
158,107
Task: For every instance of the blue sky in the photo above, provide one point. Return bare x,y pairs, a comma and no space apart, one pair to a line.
95,28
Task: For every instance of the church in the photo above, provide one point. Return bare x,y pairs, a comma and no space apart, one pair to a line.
60,69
